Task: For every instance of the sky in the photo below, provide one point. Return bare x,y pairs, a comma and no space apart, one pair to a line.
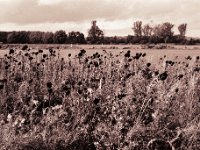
114,17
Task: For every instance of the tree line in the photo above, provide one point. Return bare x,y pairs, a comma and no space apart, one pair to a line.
143,34
37,37
160,33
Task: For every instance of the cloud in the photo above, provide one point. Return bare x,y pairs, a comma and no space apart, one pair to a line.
111,14
33,11
49,2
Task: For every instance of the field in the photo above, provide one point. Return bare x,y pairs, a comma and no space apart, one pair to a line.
104,97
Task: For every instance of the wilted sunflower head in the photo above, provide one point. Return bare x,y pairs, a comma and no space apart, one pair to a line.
49,84
7,66
83,51
180,76
18,79
50,50
24,47
26,54
30,58
43,60
11,51
1,84
80,54
156,73
144,54
176,90
148,64
40,51
96,101
163,76
127,54
44,55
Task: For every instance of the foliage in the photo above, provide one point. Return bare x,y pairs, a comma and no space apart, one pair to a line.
143,34
48,38
182,29
98,101
76,37
60,37
137,28
18,37
147,30
36,37
3,37
95,34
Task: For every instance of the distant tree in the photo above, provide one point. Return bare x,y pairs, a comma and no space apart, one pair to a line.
167,32
147,30
72,37
157,29
137,28
163,31
12,37
95,34
76,37
18,37
48,38
129,39
36,37
115,40
23,37
3,36
167,29
60,37
81,38
182,29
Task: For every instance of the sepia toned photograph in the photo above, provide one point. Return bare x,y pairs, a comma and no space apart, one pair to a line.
99,74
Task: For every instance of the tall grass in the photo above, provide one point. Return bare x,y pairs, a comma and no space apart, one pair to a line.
103,101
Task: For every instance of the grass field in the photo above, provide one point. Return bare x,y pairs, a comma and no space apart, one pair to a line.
171,52
99,97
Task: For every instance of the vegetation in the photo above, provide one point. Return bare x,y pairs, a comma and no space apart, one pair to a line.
143,34
102,101
95,34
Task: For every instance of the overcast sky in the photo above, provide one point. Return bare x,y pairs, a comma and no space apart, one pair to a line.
115,17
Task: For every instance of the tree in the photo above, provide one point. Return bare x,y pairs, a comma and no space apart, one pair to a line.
166,31
147,30
48,38
36,37
81,38
60,37
18,37
163,31
23,37
157,30
137,28
72,37
12,37
182,29
3,37
76,37
95,34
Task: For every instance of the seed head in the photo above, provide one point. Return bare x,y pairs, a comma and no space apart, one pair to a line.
40,51
11,51
148,64
49,84
163,76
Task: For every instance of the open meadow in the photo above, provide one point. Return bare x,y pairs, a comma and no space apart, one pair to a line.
99,97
